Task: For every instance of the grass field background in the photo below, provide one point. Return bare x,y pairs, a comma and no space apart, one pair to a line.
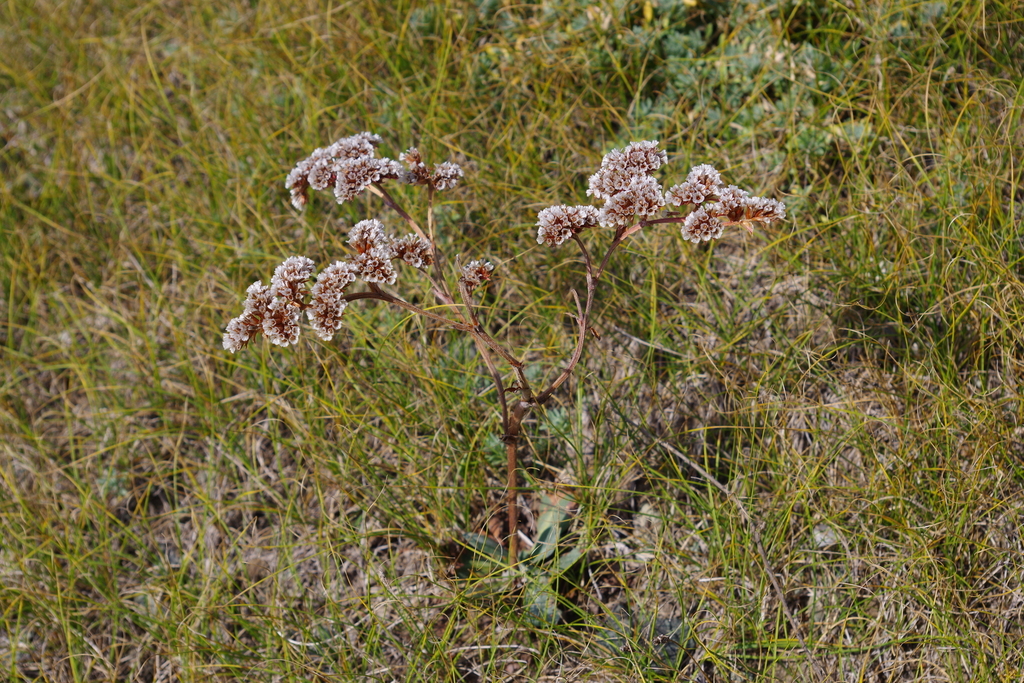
172,512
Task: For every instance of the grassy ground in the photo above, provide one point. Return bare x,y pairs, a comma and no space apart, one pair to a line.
171,512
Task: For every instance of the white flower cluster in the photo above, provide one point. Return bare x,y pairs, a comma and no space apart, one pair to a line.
556,224
328,302
352,176
619,167
475,273
349,167
734,207
276,310
329,166
444,176
413,250
631,193
625,183
702,183
250,323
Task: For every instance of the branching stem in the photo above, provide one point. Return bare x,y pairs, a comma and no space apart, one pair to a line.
381,295
379,190
583,317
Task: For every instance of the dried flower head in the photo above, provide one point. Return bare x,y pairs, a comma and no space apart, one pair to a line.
413,250
246,326
644,156
355,175
320,169
619,168
355,146
701,184
748,211
375,265
367,235
418,173
297,183
322,174
475,273
700,226
281,323
556,224
327,304
446,176
290,278
642,197
411,158
763,210
731,201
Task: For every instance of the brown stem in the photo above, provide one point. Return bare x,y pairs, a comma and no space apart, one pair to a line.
510,423
517,365
381,295
668,219
583,316
467,301
511,439
485,353
379,190
513,501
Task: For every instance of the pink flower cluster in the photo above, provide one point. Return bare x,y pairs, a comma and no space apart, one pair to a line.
443,176
349,166
625,183
632,195
556,224
475,273
716,206
277,310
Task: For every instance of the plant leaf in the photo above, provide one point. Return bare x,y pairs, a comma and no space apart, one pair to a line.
568,559
555,517
541,601
483,555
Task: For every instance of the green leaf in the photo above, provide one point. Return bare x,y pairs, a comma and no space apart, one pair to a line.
541,601
485,555
555,518
568,559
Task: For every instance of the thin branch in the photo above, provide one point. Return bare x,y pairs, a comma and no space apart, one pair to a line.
478,331
381,295
583,319
518,366
379,190
667,219
437,276
467,301
485,353
511,439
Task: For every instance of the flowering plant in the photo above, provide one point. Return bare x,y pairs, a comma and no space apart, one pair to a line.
632,199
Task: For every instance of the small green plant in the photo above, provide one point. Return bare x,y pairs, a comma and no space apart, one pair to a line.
553,552
633,199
